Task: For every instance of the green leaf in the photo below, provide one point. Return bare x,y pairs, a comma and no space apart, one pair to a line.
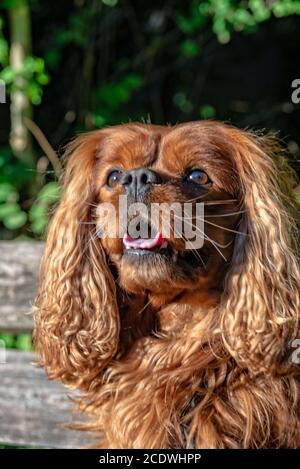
24,342
99,120
15,220
207,111
50,193
39,225
38,211
43,78
132,81
39,65
7,75
8,209
8,193
190,48
110,3
182,102
3,51
9,340
190,25
34,92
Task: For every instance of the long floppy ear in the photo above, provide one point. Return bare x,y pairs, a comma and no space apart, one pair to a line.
261,304
76,318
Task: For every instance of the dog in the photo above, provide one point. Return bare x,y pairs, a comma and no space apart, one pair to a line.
176,345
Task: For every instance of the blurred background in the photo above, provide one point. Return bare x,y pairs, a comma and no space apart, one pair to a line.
77,65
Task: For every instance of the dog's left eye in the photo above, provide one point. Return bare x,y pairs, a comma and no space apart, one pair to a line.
114,177
197,176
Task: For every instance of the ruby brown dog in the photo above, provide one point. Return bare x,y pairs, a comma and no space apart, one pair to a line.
175,346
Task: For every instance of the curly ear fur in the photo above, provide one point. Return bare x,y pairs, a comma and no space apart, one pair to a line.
261,305
77,323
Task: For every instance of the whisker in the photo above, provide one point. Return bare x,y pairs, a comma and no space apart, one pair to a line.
194,251
225,214
211,223
87,223
223,246
93,237
199,197
92,205
205,237
144,307
222,227
96,247
219,202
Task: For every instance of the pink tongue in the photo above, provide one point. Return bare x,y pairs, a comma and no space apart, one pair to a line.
143,243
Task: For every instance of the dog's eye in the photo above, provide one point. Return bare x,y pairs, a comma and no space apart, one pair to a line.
198,176
114,177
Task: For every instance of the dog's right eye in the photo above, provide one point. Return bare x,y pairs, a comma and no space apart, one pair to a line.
114,177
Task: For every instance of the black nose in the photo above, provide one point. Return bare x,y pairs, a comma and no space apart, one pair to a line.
139,180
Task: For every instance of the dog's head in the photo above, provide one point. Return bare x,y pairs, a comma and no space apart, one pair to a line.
161,185
200,213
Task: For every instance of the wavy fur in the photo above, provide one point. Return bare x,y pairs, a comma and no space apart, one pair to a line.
221,377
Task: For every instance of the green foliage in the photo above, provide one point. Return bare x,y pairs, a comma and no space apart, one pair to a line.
12,177
231,15
12,216
109,99
110,3
190,48
77,31
10,3
207,111
17,341
181,100
12,170
15,212
189,25
3,45
30,78
36,218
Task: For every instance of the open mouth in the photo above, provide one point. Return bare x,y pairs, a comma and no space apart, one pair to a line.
159,247
150,244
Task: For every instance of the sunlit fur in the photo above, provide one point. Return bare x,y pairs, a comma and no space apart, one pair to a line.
216,374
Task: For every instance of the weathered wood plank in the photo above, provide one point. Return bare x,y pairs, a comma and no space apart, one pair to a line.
33,409
19,267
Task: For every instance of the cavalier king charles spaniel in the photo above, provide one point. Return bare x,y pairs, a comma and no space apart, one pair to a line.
176,344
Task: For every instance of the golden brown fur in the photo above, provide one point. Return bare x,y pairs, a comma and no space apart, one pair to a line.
166,362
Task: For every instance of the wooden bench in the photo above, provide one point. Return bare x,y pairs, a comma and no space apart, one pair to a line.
33,410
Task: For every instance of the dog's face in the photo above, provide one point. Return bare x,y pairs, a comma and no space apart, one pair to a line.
189,245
